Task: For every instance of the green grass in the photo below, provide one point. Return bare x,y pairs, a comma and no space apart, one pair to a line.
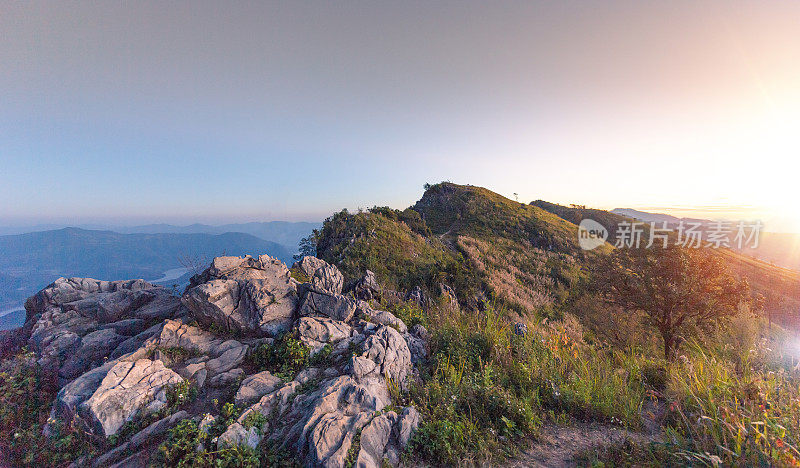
484,387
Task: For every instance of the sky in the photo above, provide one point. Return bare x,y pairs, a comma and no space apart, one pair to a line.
181,112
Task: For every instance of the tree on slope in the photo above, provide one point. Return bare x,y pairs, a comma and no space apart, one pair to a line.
680,290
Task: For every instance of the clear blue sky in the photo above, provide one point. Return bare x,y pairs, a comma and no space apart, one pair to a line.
233,111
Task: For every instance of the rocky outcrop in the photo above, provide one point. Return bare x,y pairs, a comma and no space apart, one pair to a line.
254,296
367,288
117,347
323,277
316,332
337,307
126,388
384,354
76,323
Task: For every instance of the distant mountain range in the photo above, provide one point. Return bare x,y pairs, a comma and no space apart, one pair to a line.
30,261
654,217
282,232
782,249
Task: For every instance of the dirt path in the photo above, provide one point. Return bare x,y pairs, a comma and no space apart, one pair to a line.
559,444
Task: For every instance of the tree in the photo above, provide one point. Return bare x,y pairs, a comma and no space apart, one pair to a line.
307,246
679,290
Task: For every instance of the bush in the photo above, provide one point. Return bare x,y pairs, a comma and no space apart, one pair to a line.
285,357
26,396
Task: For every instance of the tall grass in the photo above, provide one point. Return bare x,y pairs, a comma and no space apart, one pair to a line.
718,415
484,386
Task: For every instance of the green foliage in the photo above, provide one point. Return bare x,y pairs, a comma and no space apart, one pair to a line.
409,313
175,354
307,246
180,393
299,275
322,356
180,450
745,418
26,397
681,290
399,255
285,357
254,419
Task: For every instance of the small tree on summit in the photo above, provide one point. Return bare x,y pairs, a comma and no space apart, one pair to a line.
307,246
680,290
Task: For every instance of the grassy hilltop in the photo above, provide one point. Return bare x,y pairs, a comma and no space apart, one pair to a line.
731,398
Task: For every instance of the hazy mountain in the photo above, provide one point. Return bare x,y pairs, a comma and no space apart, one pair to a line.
654,217
782,249
30,261
282,232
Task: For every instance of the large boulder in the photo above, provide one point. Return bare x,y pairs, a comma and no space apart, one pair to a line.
337,307
323,277
316,332
126,388
253,296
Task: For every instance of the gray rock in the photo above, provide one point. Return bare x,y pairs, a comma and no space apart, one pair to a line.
417,347
390,354
315,332
128,327
374,439
520,329
337,307
248,295
367,288
407,425
227,360
75,323
226,379
236,435
383,317
124,390
256,386
323,277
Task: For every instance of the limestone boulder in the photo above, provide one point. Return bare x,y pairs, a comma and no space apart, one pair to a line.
253,296
337,307
126,388
256,386
385,354
316,332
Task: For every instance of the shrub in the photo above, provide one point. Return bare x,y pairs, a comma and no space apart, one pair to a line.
285,357
26,396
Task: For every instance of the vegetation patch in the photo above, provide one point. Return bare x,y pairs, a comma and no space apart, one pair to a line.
285,357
